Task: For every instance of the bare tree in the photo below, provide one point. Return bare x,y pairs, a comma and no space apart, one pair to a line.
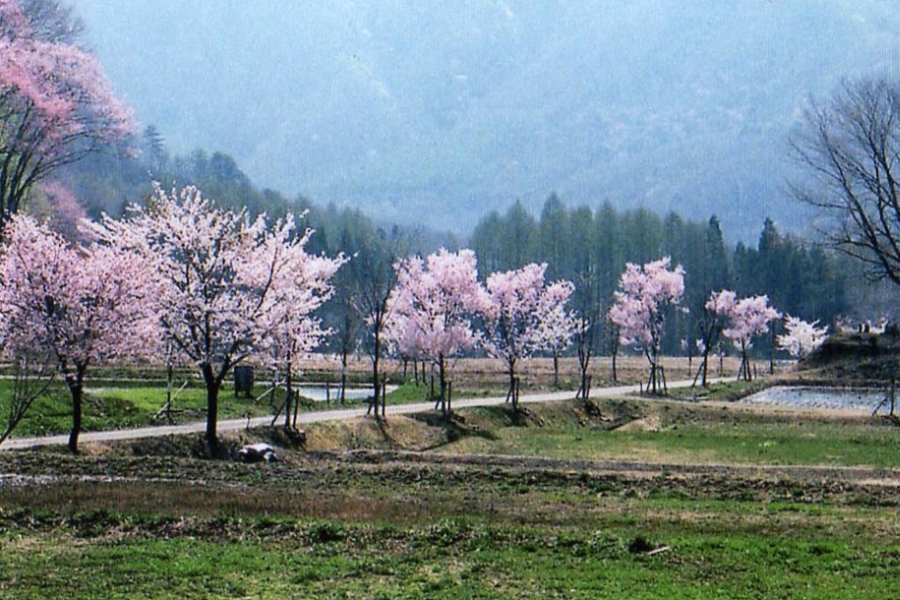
375,280
587,331
850,148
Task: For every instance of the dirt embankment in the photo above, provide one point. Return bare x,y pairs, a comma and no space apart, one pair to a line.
857,359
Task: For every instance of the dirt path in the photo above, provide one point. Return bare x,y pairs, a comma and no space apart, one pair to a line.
309,417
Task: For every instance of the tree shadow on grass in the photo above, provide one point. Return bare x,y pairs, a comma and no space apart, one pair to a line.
455,429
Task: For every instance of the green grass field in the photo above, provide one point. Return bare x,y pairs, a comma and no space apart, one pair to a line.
648,499
445,559
671,432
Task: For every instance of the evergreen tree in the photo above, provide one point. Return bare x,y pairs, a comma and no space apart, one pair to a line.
520,238
554,242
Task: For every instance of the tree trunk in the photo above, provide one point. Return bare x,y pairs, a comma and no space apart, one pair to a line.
614,352
170,384
288,395
584,360
212,407
443,381
75,382
512,395
556,368
376,383
703,368
744,372
343,377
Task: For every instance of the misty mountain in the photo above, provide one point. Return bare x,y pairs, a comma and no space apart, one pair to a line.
442,112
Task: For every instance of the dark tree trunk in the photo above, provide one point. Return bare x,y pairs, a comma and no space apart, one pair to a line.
212,407
376,382
288,395
344,359
513,394
75,382
703,369
744,371
556,368
445,405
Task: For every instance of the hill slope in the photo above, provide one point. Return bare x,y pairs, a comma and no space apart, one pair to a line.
440,115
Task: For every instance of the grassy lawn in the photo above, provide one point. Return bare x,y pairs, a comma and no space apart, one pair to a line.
773,444
118,405
685,433
106,556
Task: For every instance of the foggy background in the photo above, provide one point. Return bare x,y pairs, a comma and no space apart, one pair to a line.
441,111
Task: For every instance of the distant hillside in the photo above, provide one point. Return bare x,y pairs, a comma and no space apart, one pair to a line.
434,115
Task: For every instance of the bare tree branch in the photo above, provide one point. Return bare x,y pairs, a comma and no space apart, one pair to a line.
850,151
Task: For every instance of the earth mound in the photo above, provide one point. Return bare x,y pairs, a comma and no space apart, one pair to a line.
855,358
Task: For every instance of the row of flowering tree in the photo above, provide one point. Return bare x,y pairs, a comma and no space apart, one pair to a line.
440,309
179,273
740,320
648,292
217,288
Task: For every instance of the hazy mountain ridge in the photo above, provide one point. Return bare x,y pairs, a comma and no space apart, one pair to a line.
440,116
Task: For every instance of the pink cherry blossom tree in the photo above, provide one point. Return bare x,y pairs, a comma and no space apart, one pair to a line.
748,317
558,322
300,284
404,339
59,208
639,309
83,305
227,284
524,315
55,103
800,337
715,314
434,303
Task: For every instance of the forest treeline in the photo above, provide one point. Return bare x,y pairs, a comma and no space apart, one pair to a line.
590,247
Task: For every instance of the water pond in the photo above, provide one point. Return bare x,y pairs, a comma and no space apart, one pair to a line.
321,393
827,398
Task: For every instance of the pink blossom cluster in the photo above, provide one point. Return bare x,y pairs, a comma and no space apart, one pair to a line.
524,314
56,105
86,304
800,337
229,287
52,93
61,209
748,318
644,293
433,304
